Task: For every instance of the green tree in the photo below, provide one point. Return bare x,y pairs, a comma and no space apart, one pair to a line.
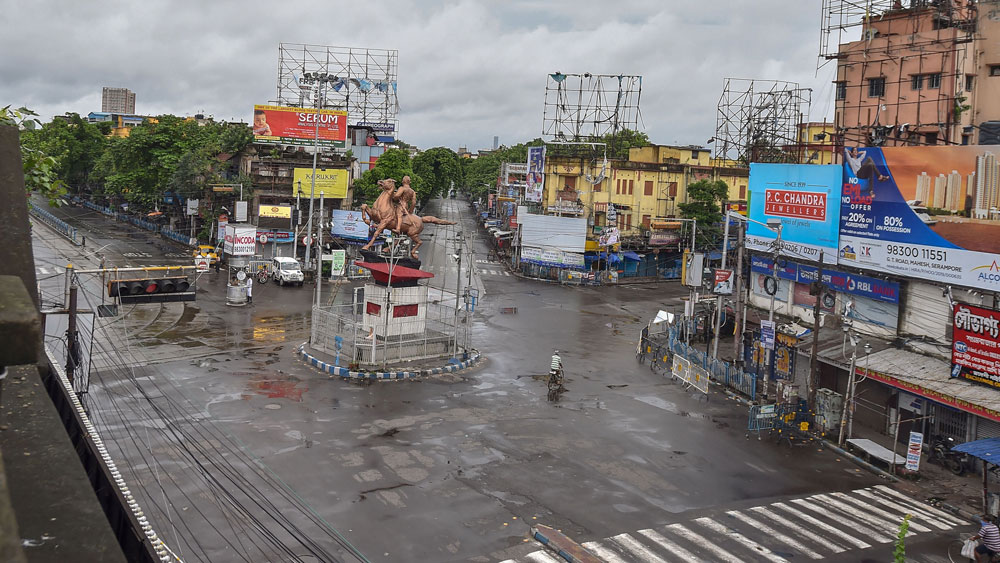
619,143
39,168
703,206
899,549
480,174
75,144
394,163
440,168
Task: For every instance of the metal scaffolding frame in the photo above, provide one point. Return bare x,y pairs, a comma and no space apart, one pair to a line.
758,120
580,107
364,84
840,17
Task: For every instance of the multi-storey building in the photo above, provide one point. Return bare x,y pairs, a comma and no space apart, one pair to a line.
927,73
117,100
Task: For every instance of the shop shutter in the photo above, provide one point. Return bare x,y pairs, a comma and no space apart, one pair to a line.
986,428
926,311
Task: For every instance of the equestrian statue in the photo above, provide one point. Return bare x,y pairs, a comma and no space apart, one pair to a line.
393,210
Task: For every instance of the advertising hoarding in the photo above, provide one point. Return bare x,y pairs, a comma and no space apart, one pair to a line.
723,282
348,224
885,224
548,256
913,449
805,198
330,182
241,240
279,125
536,174
975,348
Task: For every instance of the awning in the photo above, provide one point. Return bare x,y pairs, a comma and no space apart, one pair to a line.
384,138
501,234
930,378
987,449
629,255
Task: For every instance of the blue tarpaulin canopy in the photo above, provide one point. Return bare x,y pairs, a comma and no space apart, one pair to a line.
629,255
987,449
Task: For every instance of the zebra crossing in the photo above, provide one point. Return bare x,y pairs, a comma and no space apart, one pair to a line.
489,272
815,527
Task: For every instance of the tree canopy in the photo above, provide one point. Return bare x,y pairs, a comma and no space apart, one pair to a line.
703,206
38,167
440,168
394,163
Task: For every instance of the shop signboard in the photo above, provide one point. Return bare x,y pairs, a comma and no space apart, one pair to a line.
975,349
913,450
548,256
241,212
841,282
806,199
661,238
885,224
241,240
785,352
275,211
536,174
279,125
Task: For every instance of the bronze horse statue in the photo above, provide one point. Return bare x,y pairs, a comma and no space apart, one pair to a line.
393,210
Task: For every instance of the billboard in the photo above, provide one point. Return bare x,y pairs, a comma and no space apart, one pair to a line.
330,182
805,198
565,233
548,256
279,125
853,284
886,222
975,348
536,174
241,240
349,225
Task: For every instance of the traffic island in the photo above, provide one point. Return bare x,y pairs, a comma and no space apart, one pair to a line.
474,357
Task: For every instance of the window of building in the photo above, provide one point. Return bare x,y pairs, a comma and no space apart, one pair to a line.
994,70
648,188
841,89
404,311
618,186
965,139
743,192
631,184
917,82
645,220
934,80
930,138
672,189
694,155
876,87
569,182
628,221
597,186
970,81
372,308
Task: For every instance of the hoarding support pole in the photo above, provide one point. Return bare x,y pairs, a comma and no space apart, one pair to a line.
72,339
319,251
718,300
738,289
813,381
847,398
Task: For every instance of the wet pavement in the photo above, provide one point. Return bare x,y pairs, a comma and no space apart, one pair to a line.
237,448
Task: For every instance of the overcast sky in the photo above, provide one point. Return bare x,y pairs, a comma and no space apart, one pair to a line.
468,70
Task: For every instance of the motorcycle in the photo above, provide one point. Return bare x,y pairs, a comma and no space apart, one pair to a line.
942,453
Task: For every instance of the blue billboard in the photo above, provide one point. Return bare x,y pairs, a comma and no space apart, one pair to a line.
841,282
806,199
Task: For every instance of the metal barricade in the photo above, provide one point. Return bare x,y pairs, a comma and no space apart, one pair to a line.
762,418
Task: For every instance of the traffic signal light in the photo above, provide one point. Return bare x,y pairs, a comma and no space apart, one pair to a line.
165,289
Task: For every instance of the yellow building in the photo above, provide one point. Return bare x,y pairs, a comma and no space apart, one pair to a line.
651,184
816,145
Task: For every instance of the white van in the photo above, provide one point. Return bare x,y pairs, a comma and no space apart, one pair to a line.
286,270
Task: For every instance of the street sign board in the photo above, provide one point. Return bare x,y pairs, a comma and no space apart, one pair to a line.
202,263
913,451
767,334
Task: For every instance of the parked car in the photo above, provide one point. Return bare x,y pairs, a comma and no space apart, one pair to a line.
206,250
286,270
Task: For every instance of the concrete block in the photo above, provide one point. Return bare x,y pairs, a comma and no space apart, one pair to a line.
20,324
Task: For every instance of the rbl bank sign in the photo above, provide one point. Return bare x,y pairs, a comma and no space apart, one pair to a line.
796,205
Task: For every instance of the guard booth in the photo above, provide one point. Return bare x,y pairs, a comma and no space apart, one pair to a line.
240,246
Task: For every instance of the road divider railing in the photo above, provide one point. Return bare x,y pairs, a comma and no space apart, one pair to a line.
179,237
57,224
660,347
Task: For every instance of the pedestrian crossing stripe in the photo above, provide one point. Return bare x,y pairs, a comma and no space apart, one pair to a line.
813,527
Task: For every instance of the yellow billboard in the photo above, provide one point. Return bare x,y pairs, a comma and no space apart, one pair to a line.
275,211
331,182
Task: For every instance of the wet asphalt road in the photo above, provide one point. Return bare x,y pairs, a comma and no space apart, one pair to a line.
225,433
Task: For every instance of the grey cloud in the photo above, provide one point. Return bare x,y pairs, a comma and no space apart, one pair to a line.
468,70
